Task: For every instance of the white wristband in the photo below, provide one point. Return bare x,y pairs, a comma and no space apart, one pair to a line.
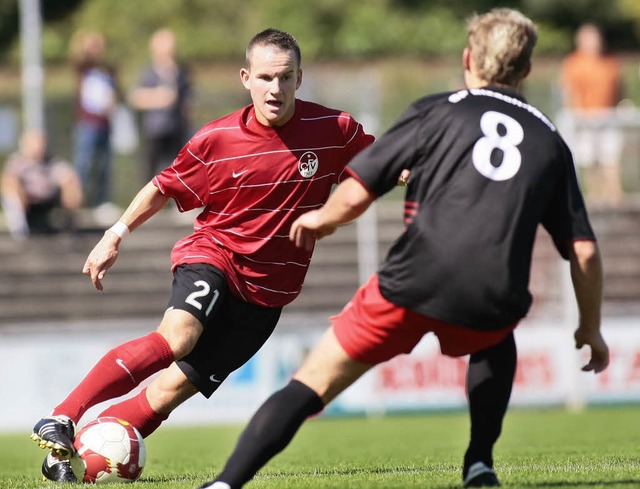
120,228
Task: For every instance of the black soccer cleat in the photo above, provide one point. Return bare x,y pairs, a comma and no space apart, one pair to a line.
57,470
481,475
55,433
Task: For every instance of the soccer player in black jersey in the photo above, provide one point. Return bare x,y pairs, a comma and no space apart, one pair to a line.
486,169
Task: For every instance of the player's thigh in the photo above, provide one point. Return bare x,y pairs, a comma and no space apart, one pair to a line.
328,369
198,294
238,332
181,330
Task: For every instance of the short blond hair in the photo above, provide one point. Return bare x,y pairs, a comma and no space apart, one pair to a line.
501,43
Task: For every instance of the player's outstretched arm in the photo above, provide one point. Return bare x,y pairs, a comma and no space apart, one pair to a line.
586,276
144,205
349,200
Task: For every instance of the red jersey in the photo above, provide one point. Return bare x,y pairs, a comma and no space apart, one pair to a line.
253,181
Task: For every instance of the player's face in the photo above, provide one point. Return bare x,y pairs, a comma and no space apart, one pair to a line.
272,79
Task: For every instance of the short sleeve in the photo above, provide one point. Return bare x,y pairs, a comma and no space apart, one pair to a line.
186,180
356,139
379,166
566,218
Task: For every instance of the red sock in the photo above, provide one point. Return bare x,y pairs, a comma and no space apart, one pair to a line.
117,373
138,413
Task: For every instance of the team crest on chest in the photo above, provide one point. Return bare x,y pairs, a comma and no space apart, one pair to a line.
308,164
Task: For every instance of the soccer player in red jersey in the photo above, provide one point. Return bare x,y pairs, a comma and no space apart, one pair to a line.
486,169
253,173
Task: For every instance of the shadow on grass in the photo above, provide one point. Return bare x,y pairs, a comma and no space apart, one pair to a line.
197,480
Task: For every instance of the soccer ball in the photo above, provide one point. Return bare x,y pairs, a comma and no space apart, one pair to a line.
108,450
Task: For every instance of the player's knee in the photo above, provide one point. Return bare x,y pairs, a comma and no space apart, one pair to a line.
181,332
164,397
181,342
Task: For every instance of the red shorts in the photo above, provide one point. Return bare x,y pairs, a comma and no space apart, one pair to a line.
372,330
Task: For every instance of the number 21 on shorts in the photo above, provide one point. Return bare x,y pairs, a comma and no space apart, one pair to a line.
203,291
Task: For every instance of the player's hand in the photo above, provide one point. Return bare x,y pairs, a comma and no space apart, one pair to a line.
102,258
599,349
403,179
308,228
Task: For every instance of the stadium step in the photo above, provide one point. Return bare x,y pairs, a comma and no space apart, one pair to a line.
42,278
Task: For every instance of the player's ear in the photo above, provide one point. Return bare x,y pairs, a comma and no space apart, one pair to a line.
466,58
299,82
245,77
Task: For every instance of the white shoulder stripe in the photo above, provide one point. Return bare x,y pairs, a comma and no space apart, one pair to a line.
338,116
214,129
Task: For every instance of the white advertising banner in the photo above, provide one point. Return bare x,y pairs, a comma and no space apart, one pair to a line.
40,368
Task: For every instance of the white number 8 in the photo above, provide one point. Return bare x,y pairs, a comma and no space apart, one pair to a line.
507,143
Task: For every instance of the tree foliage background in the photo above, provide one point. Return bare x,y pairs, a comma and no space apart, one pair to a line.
213,30
389,52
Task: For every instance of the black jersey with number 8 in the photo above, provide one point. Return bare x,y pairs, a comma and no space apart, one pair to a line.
486,169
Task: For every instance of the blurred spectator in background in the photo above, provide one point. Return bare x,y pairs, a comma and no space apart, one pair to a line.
96,99
162,95
591,83
40,193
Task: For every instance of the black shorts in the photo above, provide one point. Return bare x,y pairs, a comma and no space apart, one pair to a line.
234,330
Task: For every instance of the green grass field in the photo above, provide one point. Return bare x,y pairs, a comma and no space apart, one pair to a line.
597,448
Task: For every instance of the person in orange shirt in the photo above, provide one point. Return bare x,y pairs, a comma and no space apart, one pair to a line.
592,87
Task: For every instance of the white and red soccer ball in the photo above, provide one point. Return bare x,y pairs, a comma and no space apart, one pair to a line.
108,450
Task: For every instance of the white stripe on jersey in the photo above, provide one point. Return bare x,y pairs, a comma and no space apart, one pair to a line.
255,185
288,150
251,155
277,263
254,237
200,257
314,206
213,238
187,187
235,284
339,116
264,209
232,128
272,290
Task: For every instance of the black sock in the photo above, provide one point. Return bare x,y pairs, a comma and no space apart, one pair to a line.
270,430
489,383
